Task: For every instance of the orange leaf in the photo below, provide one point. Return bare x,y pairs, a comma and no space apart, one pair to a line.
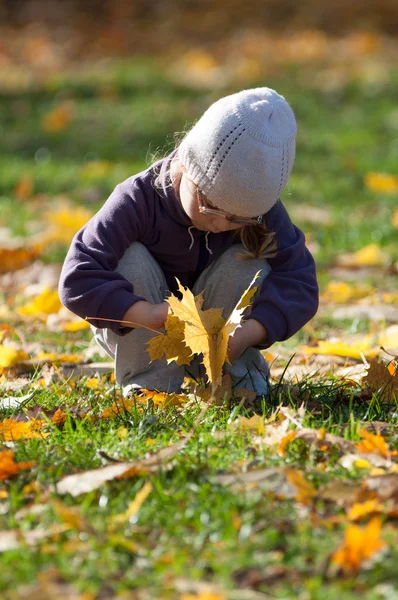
59,118
304,489
9,468
285,440
364,509
359,544
24,188
372,443
12,259
11,430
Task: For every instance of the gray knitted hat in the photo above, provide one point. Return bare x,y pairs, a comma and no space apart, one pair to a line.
241,151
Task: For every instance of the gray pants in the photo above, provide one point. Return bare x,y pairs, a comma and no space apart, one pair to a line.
223,283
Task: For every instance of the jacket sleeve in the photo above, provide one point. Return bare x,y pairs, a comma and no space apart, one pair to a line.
89,286
289,295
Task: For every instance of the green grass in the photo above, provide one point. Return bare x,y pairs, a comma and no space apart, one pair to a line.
190,526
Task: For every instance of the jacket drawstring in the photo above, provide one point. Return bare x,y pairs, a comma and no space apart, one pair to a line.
191,234
207,243
193,241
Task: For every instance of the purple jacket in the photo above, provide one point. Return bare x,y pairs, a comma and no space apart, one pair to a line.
135,211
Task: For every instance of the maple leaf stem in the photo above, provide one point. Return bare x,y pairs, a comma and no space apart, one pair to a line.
121,321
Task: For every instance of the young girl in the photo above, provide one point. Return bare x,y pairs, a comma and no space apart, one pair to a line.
210,215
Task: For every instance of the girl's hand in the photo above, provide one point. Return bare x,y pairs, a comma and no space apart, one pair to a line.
145,314
247,334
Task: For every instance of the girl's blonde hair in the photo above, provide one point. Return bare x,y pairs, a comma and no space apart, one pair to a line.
257,240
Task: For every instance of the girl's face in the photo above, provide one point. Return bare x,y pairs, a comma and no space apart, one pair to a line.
203,222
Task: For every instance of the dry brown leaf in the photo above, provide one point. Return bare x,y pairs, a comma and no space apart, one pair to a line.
15,538
339,491
386,485
322,439
84,482
380,380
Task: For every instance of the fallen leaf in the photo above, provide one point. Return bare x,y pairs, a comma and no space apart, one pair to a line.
359,545
24,188
329,440
340,292
59,118
340,348
10,356
12,259
134,505
304,489
81,483
9,468
11,430
369,256
15,401
340,492
372,443
15,538
363,461
380,380
70,516
381,182
359,510
45,303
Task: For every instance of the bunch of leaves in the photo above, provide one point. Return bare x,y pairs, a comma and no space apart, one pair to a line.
191,330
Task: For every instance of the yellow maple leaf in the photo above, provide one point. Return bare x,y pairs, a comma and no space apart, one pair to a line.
76,325
341,292
205,331
11,430
372,443
359,510
339,348
161,398
46,303
9,468
369,256
255,423
171,344
11,356
359,545
381,182
63,222
53,357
